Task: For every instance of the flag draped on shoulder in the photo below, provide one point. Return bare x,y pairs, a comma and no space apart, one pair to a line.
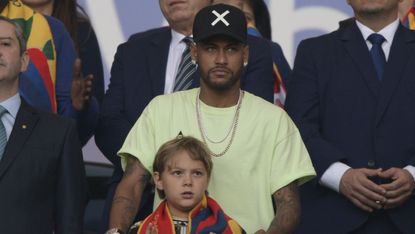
206,217
409,20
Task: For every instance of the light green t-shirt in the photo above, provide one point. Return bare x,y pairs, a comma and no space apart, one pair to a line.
267,152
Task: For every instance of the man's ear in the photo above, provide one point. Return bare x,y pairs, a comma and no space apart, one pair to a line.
157,180
24,60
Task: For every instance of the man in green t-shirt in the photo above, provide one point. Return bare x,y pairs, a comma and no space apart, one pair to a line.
257,151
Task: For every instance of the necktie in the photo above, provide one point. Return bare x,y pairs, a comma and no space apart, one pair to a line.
3,135
186,68
378,56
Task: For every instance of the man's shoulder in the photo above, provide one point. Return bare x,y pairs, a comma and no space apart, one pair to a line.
51,119
322,40
172,102
176,97
258,43
141,41
321,47
258,103
149,34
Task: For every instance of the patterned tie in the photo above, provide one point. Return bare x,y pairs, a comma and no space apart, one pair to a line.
378,56
3,135
186,68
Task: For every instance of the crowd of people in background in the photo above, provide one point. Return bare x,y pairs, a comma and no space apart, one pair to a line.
208,128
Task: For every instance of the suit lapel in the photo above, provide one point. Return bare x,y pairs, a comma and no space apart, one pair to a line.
398,59
158,55
26,120
356,47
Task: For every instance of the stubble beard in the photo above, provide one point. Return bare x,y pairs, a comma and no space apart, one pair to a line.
234,79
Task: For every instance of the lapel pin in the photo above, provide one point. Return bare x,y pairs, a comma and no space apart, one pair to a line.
24,126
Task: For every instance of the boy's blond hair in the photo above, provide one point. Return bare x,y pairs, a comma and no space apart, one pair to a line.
195,148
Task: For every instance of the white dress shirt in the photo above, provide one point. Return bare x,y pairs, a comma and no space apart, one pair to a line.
387,32
177,47
12,105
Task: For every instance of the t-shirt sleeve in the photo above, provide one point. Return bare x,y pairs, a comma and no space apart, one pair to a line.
140,141
291,161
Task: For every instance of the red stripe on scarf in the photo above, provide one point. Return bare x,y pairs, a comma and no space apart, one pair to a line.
162,221
40,61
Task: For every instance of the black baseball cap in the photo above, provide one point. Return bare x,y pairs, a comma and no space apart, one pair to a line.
220,19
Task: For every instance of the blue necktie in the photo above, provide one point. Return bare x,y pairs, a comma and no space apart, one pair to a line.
186,68
3,135
378,56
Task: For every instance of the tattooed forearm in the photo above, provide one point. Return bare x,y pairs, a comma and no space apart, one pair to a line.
288,210
128,194
129,208
135,167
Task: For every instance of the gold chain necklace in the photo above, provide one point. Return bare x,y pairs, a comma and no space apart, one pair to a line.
233,126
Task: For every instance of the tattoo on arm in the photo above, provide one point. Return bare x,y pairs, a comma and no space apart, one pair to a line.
287,210
134,166
128,194
129,211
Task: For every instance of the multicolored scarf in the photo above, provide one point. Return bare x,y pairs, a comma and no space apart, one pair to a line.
409,20
207,217
279,88
41,48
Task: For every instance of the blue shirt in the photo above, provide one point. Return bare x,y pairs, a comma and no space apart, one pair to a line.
12,105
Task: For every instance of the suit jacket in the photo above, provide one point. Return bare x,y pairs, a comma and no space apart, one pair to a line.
41,176
345,114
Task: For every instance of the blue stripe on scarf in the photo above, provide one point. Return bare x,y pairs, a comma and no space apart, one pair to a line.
33,89
218,227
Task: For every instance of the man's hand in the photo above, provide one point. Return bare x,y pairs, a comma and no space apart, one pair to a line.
81,87
359,189
400,189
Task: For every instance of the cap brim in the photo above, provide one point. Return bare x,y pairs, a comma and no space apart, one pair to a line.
210,35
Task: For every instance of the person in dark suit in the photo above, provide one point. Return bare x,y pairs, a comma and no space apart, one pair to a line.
145,67
41,168
353,99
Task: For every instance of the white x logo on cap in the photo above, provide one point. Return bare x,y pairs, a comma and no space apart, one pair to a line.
220,17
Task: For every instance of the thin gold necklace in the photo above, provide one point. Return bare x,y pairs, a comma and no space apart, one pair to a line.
231,129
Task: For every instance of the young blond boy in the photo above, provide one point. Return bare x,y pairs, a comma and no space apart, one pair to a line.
182,169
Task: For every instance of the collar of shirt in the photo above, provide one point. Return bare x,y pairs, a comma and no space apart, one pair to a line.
176,38
12,105
387,32
176,49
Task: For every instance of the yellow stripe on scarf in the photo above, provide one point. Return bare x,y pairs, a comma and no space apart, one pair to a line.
411,20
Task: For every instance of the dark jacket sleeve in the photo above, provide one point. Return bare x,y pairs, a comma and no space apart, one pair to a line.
303,105
70,194
113,126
